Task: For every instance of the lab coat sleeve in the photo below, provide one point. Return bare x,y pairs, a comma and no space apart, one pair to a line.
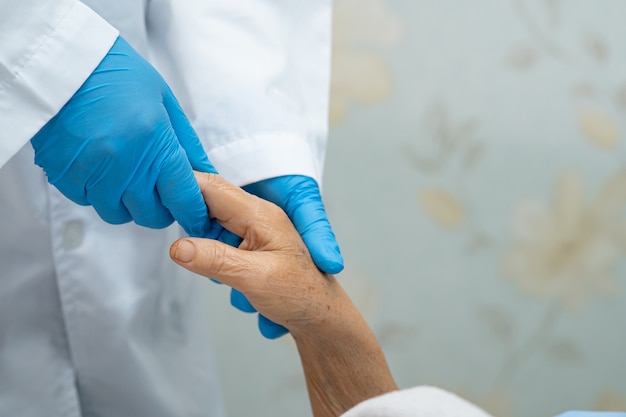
423,401
47,50
253,76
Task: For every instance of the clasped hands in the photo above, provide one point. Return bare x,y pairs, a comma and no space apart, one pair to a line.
123,145
342,361
272,266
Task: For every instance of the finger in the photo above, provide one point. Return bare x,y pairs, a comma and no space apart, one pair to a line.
106,199
112,214
311,222
217,232
269,329
187,136
179,191
240,301
217,260
306,210
73,192
145,207
228,237
234,208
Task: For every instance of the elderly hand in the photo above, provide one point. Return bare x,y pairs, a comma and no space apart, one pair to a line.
272,267
342,360
299,196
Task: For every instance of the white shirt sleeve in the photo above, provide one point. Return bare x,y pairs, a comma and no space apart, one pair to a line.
253,76
47,50
420,401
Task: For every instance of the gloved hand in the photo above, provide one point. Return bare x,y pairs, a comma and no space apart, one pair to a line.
123,145
592,414
299,196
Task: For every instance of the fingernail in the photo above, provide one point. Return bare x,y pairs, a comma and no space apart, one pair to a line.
185,251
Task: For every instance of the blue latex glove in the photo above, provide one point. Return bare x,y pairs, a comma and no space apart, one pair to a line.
300,198
592,414
123,145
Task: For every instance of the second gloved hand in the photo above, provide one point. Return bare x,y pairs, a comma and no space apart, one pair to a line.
299,196
123,145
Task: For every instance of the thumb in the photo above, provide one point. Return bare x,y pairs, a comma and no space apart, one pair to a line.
311,222
306,210
213,259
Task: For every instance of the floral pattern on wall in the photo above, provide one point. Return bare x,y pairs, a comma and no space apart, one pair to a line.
566,250
569,249
361,29
476,180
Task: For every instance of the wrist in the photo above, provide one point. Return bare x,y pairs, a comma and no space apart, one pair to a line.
342,360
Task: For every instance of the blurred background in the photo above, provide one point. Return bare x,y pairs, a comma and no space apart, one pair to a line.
476,180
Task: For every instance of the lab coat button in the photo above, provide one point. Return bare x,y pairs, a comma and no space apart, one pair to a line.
73,234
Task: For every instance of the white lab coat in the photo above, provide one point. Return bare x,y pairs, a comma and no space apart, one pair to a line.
422,401
95,320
